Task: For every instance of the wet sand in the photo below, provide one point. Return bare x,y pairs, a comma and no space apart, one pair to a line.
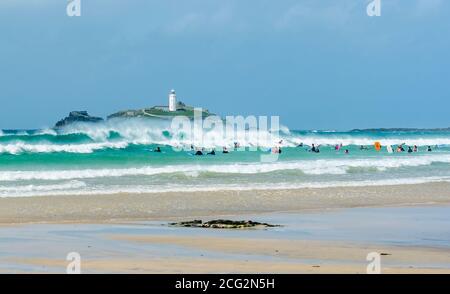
327,230
412,239
157,206
279,257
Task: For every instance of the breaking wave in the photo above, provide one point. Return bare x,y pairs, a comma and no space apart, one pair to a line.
120,133
310,167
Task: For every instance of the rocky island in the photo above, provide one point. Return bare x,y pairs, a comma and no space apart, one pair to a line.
157,112
77,116
161,112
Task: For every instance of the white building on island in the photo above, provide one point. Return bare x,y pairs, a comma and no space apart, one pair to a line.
172,101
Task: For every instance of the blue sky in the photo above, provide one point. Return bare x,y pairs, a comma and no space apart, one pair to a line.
318,64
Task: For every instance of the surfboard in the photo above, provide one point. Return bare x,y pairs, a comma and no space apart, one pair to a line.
389,149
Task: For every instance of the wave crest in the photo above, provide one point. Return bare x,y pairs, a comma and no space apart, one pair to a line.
311,167
119,133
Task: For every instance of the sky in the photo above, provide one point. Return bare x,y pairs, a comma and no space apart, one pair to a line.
318,64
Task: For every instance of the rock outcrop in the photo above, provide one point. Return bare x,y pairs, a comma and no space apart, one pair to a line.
222,224
78,116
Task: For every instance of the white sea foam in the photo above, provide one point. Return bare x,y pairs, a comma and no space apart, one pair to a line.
46,132
59,190
21,147
349,140
313,167
148,131
145,132
70,185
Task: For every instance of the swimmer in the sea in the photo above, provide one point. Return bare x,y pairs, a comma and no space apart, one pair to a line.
429,149
213,152
416,149
158,149
410,150
225,150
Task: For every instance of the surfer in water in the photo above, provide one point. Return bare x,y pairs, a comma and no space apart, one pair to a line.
410,150
276,150
347,151
236,146
213,152
199,152
225,150
429,149
158,149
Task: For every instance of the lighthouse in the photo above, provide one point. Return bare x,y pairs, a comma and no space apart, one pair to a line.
172,101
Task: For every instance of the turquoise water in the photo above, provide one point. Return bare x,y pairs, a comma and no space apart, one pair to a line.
116,157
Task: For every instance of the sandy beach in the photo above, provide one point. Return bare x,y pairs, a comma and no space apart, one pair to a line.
280,256
328,230
157,206
410,239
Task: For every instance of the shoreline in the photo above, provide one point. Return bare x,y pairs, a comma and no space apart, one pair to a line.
166,206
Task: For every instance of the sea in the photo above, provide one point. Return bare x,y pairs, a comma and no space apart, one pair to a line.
118,156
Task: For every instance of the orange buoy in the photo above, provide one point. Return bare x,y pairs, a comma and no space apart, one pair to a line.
377,146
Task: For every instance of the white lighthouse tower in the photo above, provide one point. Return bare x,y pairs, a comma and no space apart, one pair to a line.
172,101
